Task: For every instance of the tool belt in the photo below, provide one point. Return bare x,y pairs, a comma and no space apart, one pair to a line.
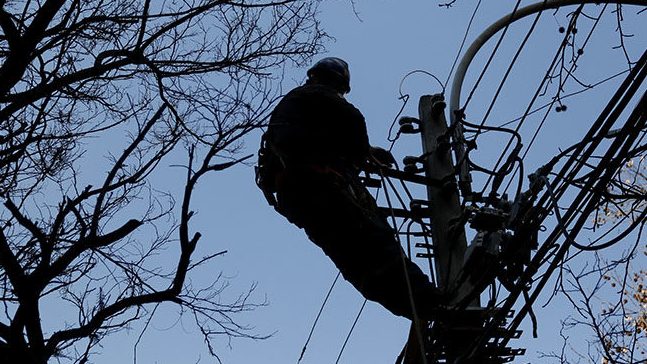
272,169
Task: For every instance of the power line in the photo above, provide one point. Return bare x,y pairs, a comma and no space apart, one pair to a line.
314,324
491,57
350,332
537,92
460,49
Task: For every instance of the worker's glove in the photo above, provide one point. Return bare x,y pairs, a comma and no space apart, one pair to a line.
382,156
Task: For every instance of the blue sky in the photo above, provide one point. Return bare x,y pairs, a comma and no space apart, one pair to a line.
382,43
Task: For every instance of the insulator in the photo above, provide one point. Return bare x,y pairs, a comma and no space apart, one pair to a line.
407,125
410,160
411,168
408,120
408,129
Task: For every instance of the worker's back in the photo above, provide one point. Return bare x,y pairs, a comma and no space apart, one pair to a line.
314,125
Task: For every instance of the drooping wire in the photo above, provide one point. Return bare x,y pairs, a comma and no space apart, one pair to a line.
593,243
416,319
411,222
357,317
424,73
314,324
392,140
323,305
405,99
562,226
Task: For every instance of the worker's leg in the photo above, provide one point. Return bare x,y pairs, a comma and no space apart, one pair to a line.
360,243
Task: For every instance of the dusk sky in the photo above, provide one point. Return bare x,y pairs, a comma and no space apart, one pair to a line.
382,41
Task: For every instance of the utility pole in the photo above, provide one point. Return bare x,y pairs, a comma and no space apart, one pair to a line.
447,231
448,234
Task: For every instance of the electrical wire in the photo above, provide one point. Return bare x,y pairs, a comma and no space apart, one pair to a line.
640,220
552,197
579,161
528,112
325,301
558,97
589,87
415,315
560,50
314,324
583,204
350,332
491,57
417,323
416,320
601,126
460,49
405,100
509,69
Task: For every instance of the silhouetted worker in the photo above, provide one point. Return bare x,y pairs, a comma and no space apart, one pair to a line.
315,146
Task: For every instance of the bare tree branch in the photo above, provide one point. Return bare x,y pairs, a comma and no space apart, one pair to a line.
95,97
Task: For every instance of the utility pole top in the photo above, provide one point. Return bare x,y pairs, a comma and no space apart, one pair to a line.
455,336
448,233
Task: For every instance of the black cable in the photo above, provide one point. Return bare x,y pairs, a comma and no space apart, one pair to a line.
615,106
460,49
397,195
409,253
405,98
590,87
558,98
537,92
323,304
509,69
319,315
604,122
496,48
480,127
583,204
350,332
417,325
390,183
560,223
479,168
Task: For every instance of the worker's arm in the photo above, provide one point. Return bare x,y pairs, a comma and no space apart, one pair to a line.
381,156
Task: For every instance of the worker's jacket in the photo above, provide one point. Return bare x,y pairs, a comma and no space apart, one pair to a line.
313,126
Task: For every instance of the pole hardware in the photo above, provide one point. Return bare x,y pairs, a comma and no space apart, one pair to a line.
420,208
370,182
424,246
409,125
411,164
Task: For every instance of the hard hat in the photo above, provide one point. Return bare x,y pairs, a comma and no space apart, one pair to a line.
334,70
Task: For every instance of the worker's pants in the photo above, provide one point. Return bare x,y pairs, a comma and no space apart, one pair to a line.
343,220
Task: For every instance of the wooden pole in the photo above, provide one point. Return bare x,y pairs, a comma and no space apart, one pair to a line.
448,234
